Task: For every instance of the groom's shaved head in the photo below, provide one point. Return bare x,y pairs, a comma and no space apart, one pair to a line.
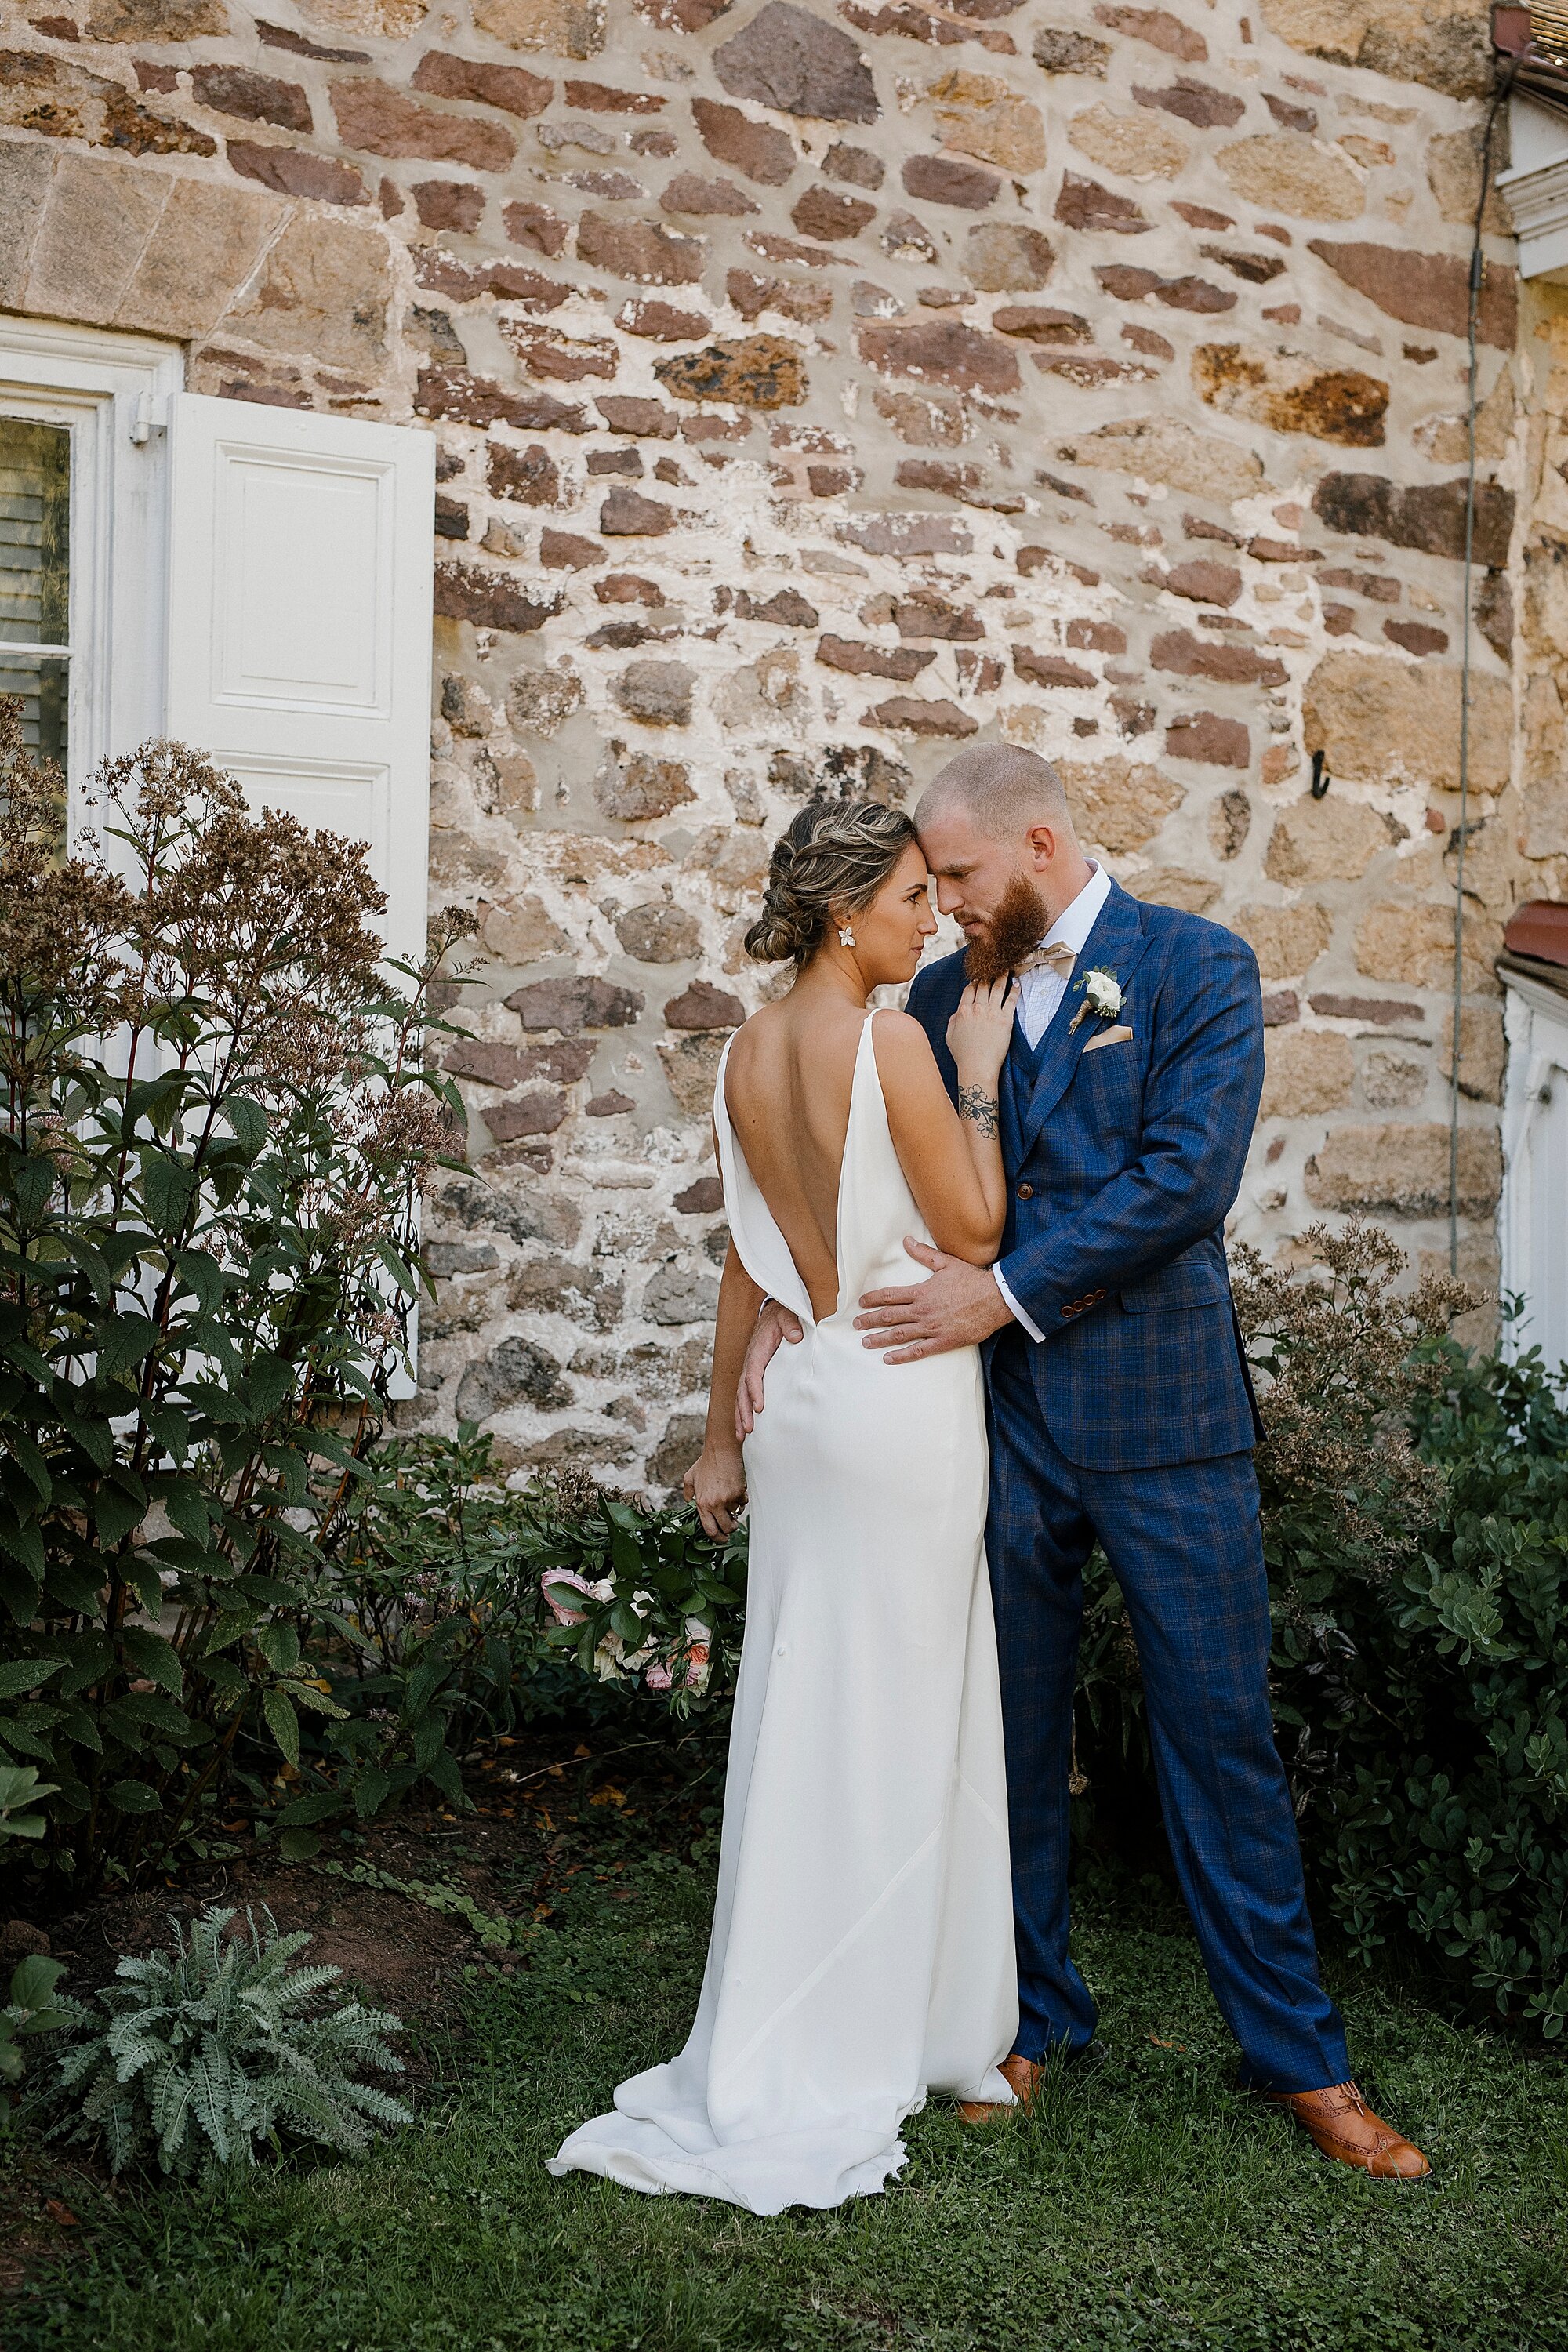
1001,788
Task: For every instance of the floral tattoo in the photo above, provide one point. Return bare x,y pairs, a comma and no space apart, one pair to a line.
979,1107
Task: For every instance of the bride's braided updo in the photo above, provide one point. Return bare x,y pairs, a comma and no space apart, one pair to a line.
834,855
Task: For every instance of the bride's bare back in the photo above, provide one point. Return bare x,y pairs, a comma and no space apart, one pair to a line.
787,1087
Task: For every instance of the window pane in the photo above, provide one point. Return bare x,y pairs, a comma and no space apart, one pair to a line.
34,573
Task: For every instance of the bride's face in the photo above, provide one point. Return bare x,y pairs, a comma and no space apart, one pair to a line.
891,932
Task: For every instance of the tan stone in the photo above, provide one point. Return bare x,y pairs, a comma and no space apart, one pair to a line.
982,115
1323,841
1291,395
1440,42
207,241
1446,440
1117,806
1170,886
322,292
1414,946
736,863
1378,721
97,217
1401,1170
1286,173
1393,1080
24,171
566,28
390,20
1164,449
1482,1051
1137,146
156,20
1287,940
521,931
1454,176
1306,1073
691,1068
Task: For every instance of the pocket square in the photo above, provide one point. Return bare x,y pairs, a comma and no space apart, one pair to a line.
1120,1035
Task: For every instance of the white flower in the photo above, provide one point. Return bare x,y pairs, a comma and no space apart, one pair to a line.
1102,994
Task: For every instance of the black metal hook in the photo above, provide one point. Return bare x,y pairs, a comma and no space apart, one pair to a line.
1321,779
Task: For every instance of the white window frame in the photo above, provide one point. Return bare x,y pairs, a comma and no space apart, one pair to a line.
112,390
1535,1020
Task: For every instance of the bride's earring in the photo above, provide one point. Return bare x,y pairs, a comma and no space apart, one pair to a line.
846,935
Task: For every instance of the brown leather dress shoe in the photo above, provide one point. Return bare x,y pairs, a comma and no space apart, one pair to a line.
1022,2076
1338,2122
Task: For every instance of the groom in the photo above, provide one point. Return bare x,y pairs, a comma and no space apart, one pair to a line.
1121,1409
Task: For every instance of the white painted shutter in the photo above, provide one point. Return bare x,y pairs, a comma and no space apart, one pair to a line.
302,550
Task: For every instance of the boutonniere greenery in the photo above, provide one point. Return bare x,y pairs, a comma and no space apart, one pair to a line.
1101,996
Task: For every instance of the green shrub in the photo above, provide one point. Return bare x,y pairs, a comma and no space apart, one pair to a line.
30,2011
207,1249
200,2055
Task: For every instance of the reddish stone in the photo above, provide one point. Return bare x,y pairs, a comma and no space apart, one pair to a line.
598,97
1096,636
529,476
941,351
1203,583
641,251
1196,102
700,1199
1416,636
688,192
1385,1009
451,518
901,662
1049,669
938,474
1303,119
1033,324
280,36
444,275
254,98
487,1064
627,514
906,534
535,224
1144,339
479,400
703,1006
626,588
1426,290
519,1114
511,87
857,165
1158,29
759,371
294,172
787,610
450,203
795,62
574,1004
903,715
662,322
1281,1008
1204,735
759,150
1364,583
491,599
1188,657
821,212
649,419
559,550
943,180
608,1106
832,481
1429,516
1201,216
1257,268
373,116
565,359
1083,203
751,295
1130,285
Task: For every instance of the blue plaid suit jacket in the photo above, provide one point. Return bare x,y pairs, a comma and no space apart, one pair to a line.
1122,1164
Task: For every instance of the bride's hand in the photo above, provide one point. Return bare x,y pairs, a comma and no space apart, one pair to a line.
716,1482
981,1030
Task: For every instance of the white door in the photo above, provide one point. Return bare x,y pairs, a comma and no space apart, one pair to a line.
301,555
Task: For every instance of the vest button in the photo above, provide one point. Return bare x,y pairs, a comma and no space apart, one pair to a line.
1025,1191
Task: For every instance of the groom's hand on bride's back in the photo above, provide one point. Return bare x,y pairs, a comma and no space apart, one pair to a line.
957,1307
773,1323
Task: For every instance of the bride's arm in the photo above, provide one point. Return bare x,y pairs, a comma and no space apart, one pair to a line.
953,1159
716,1481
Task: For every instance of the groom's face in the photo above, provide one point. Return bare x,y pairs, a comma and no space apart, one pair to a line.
987,885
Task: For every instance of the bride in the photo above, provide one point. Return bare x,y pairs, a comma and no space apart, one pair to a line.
862,1944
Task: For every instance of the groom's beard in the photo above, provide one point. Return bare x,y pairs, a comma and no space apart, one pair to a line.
1019,924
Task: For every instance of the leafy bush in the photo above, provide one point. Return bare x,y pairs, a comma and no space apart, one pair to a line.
31,2010
207,1249
200,2055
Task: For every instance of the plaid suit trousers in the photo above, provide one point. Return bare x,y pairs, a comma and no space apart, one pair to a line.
1184,1545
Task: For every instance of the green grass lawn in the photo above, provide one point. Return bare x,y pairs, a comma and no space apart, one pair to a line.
1149,2205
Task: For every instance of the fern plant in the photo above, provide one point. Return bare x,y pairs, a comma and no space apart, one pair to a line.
199,2054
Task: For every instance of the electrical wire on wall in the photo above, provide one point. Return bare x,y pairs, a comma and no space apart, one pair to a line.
1477,270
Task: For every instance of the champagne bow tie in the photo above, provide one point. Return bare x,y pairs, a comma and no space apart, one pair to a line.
1056,956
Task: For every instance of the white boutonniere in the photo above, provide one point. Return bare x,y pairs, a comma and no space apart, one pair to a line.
1101,996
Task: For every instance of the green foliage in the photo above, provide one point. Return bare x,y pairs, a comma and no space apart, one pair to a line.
31,2010
207,1249
200,2055
20,1790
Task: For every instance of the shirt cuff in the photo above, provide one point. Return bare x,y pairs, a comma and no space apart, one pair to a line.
1015,1311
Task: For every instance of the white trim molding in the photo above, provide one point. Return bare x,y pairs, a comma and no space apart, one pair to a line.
1533,1221
1536,201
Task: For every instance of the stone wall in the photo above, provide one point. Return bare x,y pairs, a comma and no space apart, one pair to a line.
815,389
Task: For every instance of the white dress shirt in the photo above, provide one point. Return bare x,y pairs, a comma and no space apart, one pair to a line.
1040,994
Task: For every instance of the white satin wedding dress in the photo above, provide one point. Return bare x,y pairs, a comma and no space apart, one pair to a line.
862,1943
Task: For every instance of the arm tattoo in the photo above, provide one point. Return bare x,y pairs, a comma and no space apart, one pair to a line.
980,1109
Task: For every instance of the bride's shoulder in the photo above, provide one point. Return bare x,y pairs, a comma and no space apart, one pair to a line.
902,1048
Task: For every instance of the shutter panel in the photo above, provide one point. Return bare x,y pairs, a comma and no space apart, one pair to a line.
301,551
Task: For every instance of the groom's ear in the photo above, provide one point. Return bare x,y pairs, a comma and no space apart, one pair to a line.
1042,841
